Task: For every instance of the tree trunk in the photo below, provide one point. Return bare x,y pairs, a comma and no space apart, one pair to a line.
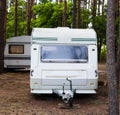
118,60
74,14
118,53
32,3
116,9
94,12
2,32
111,70
79,13
100,41
16,19
30,14
64,14
103,2
99,7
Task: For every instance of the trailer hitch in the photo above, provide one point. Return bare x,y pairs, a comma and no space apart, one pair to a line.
67,96
70,83
70,94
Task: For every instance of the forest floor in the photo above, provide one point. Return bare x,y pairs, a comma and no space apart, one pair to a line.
16,99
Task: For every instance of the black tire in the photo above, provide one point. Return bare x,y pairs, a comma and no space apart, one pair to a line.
71,102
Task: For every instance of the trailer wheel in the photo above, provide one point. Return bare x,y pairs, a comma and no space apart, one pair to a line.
71,102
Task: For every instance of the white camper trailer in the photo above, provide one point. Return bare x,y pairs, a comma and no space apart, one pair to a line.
63,60
17,52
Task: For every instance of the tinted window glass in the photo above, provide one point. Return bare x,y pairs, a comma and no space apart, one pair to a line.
62,53
16,49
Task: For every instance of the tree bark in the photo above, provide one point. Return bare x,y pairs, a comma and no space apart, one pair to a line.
16,19
100,41
118,60
79,13
2,32
99,7
94,12
74,14
118,52
116,9
111,70
103,2
30,14
64,14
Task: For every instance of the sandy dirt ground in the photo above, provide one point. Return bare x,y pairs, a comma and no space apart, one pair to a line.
16,99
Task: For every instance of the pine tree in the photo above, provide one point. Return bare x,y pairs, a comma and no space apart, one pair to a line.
111,70
64,14
2,32
16,19
74,14
30,15
79,13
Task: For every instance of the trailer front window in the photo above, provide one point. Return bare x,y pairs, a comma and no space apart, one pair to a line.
62,53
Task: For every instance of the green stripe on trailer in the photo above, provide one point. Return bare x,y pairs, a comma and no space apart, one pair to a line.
83,39
45,38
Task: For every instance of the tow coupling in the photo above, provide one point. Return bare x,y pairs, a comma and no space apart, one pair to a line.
67,95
